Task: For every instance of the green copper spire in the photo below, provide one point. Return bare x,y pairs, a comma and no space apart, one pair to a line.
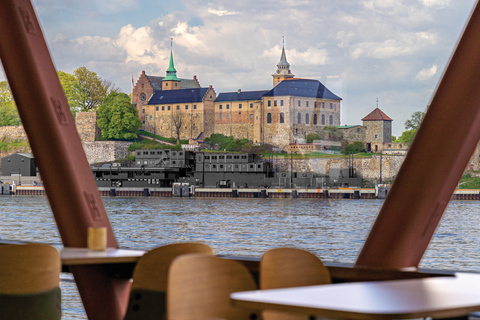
171,71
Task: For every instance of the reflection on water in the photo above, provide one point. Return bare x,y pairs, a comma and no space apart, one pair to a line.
334,230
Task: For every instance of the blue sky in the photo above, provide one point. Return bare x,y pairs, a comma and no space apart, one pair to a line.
362,50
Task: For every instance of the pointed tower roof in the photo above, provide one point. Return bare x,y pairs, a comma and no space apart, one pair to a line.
283,58
171,71
377,115
283,68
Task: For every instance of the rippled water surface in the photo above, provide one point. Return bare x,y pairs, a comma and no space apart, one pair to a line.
334,230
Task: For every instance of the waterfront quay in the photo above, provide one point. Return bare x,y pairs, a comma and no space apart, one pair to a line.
189,191
301,193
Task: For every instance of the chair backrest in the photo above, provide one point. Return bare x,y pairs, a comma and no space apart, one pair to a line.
30,282
290,267
148,291
199,287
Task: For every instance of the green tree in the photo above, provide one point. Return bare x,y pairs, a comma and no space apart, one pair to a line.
92,89
415,120
8,110
118,118
72,91
411,127
355,147
312,136
331,133
407,137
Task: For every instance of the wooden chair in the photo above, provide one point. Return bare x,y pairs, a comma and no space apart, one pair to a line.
30,282
148,293
290,267
199,287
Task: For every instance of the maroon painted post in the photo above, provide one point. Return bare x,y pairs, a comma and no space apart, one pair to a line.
434,164
68,179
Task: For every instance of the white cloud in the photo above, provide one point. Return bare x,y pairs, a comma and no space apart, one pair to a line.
377,46
113,6
425,74
436,3
138,44
220,12
310,57
401,45
355,53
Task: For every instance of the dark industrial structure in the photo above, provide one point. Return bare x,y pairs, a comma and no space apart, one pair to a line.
22,164
162,168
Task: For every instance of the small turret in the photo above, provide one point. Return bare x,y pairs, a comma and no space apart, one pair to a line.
283,68
171,82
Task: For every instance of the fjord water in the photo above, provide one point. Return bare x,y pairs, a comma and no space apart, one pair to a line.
334,230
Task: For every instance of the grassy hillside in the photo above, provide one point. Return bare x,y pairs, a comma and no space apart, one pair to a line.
7,145
469,182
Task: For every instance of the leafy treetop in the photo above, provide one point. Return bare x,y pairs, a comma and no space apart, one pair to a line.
8,110
415,120
118,118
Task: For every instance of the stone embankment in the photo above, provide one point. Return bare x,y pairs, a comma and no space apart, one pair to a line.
369,168
96,151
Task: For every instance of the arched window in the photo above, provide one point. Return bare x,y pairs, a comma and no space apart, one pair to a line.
331,120
323,119
282,117
269,117
314,119
299,118
307,119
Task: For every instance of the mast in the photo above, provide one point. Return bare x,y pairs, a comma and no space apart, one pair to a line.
69,184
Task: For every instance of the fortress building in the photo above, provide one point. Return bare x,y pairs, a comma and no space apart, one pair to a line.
285,114
378,131
147,86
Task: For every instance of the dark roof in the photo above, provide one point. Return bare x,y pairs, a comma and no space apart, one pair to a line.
178,96
242,96
184,83
377,115
302,88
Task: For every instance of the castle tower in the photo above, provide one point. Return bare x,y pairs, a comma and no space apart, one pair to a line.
378,130
283,68
171,82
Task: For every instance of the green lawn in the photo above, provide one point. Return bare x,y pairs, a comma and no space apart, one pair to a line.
320,155
151,135
469,182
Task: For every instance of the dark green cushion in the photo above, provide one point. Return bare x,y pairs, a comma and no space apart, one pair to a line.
45,305
146,305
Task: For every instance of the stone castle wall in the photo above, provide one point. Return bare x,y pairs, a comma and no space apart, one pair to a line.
369,168
87,128
162,124
105,151
12,132
96,151
354,134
